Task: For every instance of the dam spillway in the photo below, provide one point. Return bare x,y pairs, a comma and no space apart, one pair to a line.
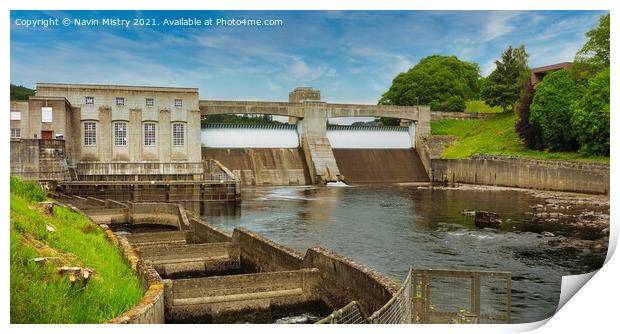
380,165
263,166
275,154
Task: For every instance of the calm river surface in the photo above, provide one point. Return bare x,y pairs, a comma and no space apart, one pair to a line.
391,228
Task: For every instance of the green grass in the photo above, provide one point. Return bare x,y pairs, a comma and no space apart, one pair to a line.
38,294
496,136
481,107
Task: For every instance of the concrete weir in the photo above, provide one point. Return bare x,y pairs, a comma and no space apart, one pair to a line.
209,276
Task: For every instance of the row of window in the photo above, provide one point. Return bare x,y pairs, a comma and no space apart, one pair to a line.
121,134
120,101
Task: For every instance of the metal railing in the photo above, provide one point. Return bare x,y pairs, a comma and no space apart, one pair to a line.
439,296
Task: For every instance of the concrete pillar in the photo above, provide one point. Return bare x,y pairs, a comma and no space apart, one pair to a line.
423,126
135,140
164,139
104,135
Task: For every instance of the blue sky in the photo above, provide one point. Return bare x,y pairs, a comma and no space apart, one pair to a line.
351,56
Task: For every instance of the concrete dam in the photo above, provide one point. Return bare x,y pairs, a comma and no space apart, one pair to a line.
274,154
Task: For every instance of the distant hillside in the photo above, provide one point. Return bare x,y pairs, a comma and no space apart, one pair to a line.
20,93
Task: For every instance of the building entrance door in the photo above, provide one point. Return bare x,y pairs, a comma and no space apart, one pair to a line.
47,135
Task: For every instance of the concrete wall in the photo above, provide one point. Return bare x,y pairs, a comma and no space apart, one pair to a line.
345,280
35,159
200,232
157,213
263,255
524,173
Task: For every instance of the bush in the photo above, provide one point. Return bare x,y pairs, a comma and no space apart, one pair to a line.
437,106
455,104
551,110
530,134
590,119
27,189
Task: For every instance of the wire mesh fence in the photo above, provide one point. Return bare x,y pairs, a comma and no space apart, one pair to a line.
439,296
398,309
452,296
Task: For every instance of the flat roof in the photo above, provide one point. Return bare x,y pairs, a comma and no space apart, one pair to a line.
117,87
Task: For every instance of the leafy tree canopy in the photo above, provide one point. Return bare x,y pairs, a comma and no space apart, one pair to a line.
434,80
504,85
594,55
551,110
590,119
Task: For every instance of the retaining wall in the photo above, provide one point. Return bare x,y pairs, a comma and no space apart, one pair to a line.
345,280
262,255
524,173
200,232
160,213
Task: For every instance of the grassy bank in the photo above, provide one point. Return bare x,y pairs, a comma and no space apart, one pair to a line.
497,136
481,107
38,294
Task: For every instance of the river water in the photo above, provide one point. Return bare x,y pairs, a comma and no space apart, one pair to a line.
390,228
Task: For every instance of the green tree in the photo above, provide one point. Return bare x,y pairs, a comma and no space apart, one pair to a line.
594,55
20,93
590,118
551,110
433,81
504,85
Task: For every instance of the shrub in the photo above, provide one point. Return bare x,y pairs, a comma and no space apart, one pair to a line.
455,104
551,110
437,106
530,134
590,119
27,189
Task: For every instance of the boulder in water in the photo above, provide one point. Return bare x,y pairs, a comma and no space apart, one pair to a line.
487,219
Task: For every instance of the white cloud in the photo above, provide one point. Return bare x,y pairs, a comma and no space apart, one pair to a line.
498,24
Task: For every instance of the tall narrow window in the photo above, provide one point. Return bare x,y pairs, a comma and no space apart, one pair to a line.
16,133
178,134
90,133
178,102
89,100
120,134
149,134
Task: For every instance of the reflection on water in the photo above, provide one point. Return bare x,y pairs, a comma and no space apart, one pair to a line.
392,227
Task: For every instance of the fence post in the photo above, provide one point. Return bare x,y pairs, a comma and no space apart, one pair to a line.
475,294
425,298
